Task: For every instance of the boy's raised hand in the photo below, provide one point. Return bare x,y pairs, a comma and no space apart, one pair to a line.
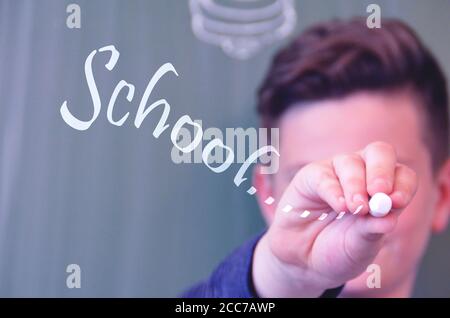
302,256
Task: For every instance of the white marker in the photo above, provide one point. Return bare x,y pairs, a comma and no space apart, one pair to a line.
380,204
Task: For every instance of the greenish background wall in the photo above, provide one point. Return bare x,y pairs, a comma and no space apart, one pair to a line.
110,199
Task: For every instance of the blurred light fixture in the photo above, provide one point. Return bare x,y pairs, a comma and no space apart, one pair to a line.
242,27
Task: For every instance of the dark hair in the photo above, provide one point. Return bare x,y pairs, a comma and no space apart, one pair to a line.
337,58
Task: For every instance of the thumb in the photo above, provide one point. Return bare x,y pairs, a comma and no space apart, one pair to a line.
364,238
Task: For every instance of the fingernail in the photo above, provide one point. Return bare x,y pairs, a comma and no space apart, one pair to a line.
400,196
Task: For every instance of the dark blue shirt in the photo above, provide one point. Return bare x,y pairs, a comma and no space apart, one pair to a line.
233,277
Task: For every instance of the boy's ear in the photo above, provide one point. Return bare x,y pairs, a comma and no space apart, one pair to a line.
263,184
442,208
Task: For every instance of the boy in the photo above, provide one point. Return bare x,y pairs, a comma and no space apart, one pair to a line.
360,111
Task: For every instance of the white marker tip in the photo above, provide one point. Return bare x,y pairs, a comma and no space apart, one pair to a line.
380,204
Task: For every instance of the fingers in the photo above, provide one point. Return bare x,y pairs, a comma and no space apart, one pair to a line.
405,186
314,187
346,182
366,173
351,172
380,159
365,237
321,180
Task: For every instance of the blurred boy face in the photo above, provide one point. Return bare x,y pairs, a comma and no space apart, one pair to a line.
324,129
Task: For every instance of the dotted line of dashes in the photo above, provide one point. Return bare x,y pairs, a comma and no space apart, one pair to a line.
288,208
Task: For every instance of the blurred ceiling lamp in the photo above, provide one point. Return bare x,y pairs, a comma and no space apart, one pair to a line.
242,27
